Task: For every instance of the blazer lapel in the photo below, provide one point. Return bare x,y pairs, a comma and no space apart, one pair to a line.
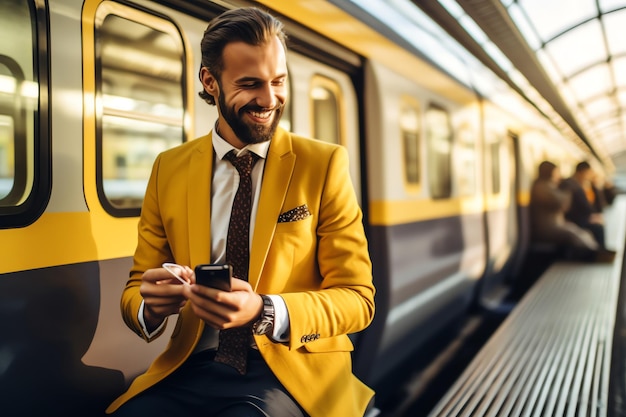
199,202
276,178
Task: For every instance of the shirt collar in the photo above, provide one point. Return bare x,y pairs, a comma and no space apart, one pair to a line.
222,147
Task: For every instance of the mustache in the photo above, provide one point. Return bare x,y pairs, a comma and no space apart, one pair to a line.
259,109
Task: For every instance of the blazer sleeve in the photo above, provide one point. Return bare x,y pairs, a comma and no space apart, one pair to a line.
344,301
152,246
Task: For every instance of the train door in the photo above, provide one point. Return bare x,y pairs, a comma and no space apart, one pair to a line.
521,214
136,91
324,106
501,212
510,150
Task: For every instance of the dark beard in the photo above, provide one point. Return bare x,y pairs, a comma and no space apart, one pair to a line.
246,133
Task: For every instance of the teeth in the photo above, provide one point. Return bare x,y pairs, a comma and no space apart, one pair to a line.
263,115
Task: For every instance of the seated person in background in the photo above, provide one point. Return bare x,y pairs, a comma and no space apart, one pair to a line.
547,207
581,210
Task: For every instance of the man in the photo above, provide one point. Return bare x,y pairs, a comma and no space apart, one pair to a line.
309,280
581,211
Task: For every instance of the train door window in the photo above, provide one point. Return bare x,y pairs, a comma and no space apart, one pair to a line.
466,160
325,95
410,131
141,90
24,141
438,135
325,107
494,153
286,118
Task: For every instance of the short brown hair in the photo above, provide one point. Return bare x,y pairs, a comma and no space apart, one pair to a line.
583,166
545,170
249,24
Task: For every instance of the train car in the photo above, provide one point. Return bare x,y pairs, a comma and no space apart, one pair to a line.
442,153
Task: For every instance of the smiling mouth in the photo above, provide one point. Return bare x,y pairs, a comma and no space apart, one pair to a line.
264,115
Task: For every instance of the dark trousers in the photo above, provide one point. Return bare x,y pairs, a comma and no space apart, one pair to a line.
204,388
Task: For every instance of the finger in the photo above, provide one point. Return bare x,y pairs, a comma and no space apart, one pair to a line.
159,300
170,281
161,290
162,310
209,313
189,275
204,291
237,284
208,308
155,274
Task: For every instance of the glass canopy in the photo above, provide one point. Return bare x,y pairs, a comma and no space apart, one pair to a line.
580,44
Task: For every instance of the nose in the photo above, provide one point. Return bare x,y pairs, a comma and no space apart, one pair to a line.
267,96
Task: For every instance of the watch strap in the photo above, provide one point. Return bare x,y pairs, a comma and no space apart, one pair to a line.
266,322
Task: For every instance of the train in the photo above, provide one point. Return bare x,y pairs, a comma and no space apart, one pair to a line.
442,155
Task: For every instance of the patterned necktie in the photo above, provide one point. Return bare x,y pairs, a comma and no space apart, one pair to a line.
234,343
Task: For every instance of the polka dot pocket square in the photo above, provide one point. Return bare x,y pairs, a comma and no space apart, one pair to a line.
295,214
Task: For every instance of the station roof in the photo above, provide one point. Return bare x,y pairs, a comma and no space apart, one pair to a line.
566,56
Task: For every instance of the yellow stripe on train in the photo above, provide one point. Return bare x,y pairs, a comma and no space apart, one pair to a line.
389,212
393,212
66,238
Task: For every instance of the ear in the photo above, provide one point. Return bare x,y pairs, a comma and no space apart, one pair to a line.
209,82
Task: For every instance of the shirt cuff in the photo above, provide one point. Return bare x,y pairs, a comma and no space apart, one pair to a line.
158,329
280,333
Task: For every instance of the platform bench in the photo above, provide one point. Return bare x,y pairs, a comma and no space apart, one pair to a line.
552,355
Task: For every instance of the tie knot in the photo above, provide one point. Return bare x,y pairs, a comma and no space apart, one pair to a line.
244,163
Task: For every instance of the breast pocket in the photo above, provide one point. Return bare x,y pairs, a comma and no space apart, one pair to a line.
298,226
292,251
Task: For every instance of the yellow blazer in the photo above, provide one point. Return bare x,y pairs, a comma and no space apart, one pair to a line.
320,265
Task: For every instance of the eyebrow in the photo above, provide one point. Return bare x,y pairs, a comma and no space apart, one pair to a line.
256,79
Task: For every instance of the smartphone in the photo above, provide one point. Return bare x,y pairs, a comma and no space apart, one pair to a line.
214,276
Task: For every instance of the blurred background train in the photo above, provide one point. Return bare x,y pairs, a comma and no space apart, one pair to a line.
442,155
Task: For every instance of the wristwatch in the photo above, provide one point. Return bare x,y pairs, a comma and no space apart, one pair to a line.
265,324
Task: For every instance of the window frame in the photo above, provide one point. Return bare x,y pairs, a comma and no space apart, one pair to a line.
26,207
157,22
334,87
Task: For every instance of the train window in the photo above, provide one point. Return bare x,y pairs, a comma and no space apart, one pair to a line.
24,141
140,88
286,118
438,135
494,150
7,155
410,128
466,161
325,95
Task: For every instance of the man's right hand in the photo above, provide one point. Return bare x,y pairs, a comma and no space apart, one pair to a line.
162,294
